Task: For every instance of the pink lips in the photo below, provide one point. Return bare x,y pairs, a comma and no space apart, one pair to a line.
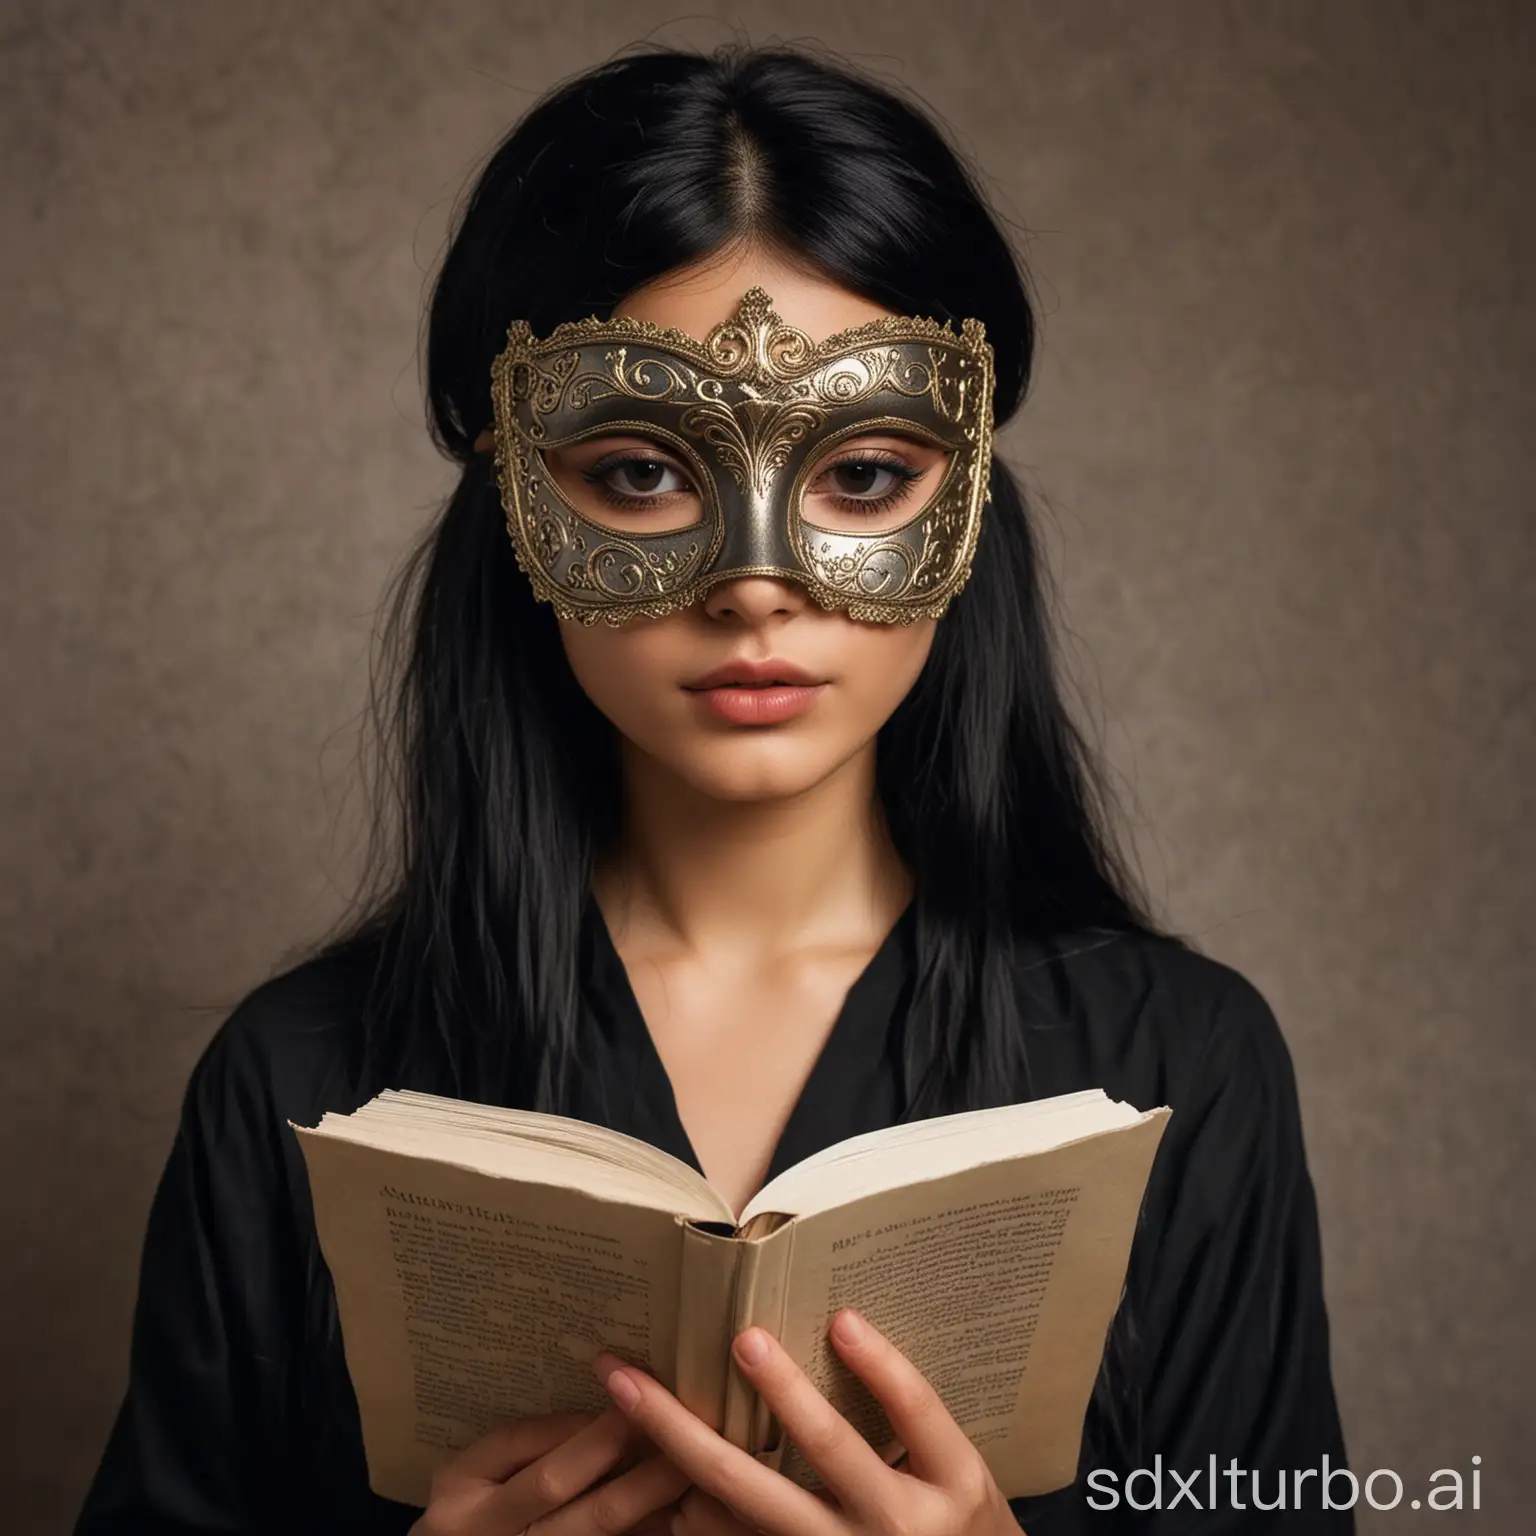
756,692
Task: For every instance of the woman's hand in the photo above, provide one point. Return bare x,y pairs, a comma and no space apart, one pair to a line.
537,1475
945,1490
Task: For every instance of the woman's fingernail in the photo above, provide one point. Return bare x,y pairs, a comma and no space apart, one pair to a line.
850,1327
622,1389
752,1347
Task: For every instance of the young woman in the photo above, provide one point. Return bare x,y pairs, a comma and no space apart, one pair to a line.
739,811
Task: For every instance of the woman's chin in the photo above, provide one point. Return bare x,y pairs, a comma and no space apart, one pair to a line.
753,772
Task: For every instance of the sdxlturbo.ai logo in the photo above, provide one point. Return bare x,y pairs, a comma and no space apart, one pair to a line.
1235,1487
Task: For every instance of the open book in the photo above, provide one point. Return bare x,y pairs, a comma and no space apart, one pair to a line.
482,1257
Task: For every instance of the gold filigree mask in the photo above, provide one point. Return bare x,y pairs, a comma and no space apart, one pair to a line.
751,410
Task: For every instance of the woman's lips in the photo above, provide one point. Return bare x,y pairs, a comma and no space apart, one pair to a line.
763,691
758,704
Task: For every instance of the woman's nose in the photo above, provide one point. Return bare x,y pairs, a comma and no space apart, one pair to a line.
755,599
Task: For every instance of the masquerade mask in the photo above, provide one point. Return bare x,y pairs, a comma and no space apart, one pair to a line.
751,411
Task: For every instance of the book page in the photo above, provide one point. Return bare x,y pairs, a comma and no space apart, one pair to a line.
522,1143
997,1282
916,1150
468,1300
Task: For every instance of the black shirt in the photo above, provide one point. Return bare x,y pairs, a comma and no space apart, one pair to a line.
239,1416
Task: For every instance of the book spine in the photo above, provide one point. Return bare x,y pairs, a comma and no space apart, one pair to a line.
761,1293
705,1307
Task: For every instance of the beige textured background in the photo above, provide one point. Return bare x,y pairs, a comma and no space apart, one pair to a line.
1282,420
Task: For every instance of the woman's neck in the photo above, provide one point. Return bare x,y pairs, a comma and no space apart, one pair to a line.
751,878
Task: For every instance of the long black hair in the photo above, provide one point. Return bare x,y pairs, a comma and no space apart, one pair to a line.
500,777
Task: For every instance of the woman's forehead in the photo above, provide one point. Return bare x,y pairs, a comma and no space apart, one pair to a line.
696,298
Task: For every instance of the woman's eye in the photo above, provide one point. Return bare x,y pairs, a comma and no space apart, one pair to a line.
640,477
868,479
